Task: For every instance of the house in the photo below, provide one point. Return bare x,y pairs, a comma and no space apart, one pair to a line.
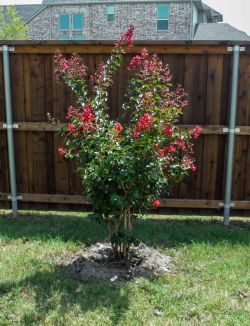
106,19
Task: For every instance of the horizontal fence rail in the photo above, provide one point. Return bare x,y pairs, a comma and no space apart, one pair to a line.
205,70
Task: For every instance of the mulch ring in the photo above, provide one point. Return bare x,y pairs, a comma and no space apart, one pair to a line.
99,263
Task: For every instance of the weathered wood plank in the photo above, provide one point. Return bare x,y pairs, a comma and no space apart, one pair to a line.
211,142
107,48
206,129
81,200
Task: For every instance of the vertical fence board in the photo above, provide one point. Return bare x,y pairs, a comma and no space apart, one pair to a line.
195,84
243,118
19,114
211,142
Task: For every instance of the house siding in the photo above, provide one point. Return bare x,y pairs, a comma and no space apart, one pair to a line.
96,27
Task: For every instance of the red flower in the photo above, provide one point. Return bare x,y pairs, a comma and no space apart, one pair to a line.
61,151
157,203
171,149
146,121
181,144
72,127
196,132
144,53
126,38
193,168
88,114
168,131
161,151
118,127
135,63
72,67
71,112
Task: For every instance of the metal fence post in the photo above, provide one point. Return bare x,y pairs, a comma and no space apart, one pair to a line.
231,133
9,126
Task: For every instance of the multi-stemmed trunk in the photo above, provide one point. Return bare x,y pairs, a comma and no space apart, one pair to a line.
121,227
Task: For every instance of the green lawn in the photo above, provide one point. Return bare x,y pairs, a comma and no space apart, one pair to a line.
210,284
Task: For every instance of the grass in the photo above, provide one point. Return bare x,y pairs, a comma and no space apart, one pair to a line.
210,284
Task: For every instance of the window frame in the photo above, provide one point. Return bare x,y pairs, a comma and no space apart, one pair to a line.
65,39
71,33
59,23
112,14
162,19
77,35
72,22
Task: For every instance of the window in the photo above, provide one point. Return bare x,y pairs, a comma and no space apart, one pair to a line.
77,37
110,13
162,17
71,26
77,21
64,22
64,37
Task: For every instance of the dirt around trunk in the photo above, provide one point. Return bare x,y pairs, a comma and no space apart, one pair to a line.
99,263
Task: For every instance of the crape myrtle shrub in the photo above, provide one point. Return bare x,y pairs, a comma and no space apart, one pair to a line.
125,166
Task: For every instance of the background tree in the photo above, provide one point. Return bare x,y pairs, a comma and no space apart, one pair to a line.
11,26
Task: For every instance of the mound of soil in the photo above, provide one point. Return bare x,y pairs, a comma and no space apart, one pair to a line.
99,263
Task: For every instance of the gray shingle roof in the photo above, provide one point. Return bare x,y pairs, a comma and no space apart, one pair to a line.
83,1
219,32
213,12
24,11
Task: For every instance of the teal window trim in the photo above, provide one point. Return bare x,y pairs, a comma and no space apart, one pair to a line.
77,22
64,37
64,22
162,17
77,37
110,13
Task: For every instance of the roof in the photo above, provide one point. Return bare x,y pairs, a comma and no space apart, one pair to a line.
25,11
213,12
45,2
219,32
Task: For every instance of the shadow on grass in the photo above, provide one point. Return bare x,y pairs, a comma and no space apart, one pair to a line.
53,290
56,289
167,232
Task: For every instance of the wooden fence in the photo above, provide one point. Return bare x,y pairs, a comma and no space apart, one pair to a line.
46,180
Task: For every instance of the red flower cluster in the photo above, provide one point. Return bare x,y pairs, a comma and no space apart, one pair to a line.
196,132
99,78
157,203
144,53
181,144
126,39
168,131
71,112
62,151
135,62
145,122
88,114
69,68
164,151
187,163
72,128
161,151
193,167
118,127
171,149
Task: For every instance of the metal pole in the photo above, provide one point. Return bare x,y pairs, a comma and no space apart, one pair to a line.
9,126
231,136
